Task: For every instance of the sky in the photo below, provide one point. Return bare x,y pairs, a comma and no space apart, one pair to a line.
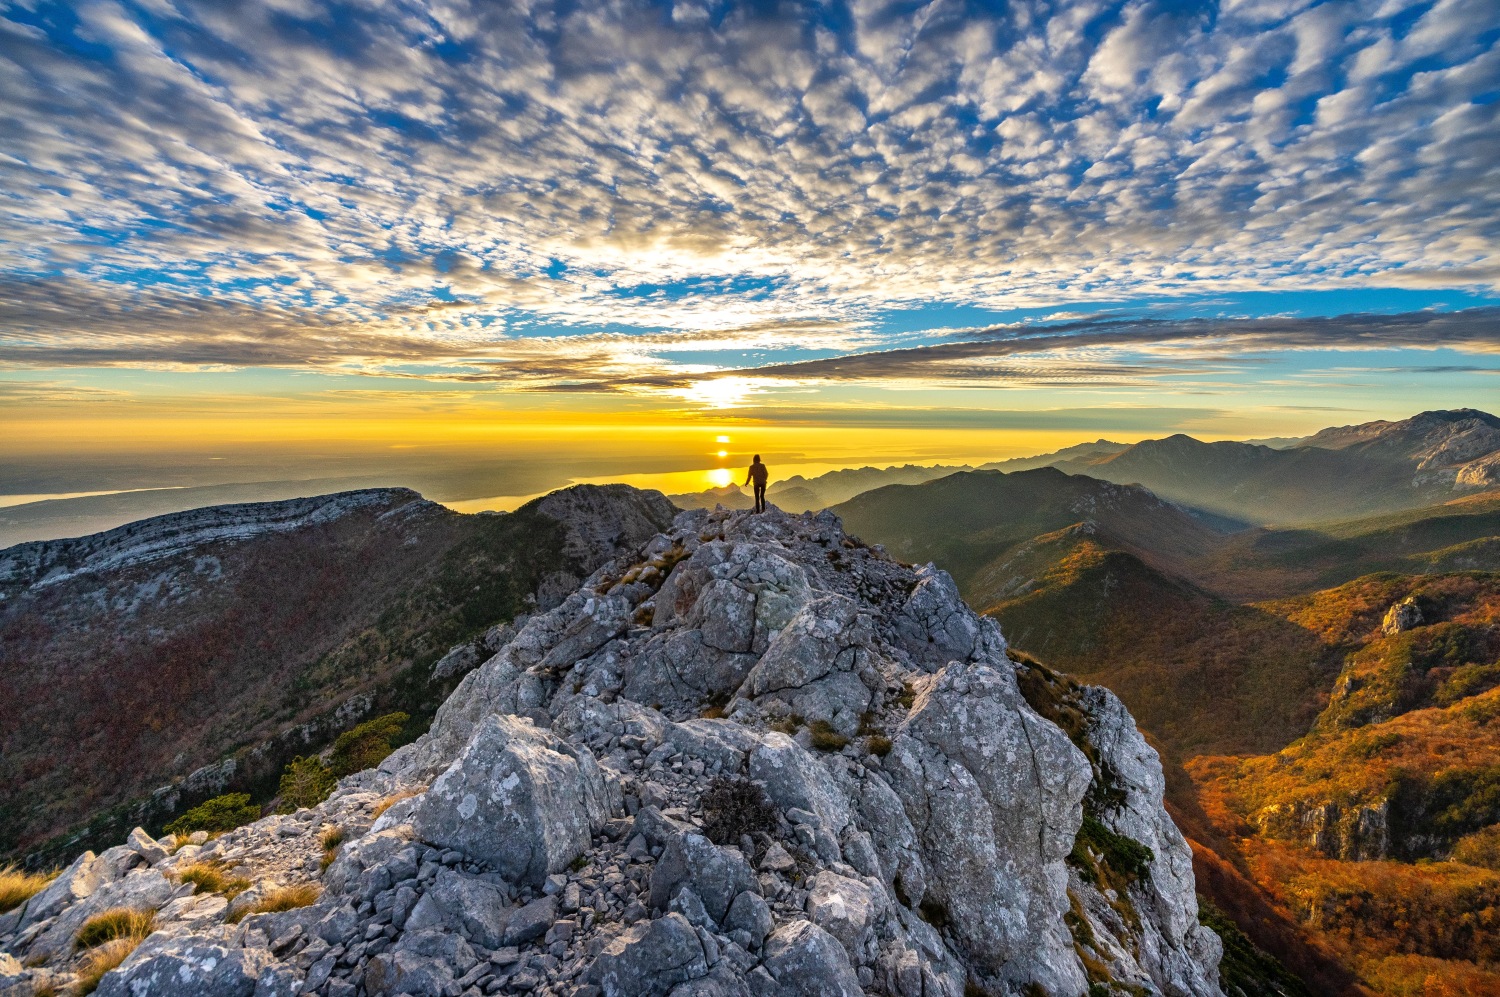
294,238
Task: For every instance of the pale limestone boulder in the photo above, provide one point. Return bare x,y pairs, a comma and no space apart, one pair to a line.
519,799
807,961
650,959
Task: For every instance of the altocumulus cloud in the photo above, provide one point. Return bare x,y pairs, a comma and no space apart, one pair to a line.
449,184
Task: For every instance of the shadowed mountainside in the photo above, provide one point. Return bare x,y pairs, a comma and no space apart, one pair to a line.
131,658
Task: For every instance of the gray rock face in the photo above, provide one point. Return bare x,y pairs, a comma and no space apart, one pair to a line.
843,907
460,903
549,833
190,967
716,874
807,961
993,841
650,959
424,962
518,799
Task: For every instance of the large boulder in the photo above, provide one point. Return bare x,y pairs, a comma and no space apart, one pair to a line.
518,799
807,961
79,880
716,874
189,966
794,778
843,907
650,959
422,962
462,903
142,889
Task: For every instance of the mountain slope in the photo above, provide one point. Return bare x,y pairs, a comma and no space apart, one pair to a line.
1201,674
1458,535
965,520
881,802
1338,473
131,658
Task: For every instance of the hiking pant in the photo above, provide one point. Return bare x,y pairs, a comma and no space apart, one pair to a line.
760,498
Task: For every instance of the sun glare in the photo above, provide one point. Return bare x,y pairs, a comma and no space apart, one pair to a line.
721,439
719,477
723,453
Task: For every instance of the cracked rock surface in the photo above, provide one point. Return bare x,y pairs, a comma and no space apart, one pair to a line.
911,824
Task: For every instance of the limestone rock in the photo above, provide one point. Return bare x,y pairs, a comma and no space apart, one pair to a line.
191,967
715,873
517,798
843,907
461,903
1401,617
809,962
650,959
994,839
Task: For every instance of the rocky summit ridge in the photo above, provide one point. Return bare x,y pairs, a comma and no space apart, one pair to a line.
751,757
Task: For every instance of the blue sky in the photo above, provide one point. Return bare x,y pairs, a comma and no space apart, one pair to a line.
730,205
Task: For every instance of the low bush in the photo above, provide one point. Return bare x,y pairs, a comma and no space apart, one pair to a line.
733,806
222,813
305,782
789,725
879,744
213,877
18,886
118,922
1125,856
366,745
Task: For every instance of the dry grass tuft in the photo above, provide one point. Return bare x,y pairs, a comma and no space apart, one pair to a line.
118,922
332,839
18,886
280,899
100,961
823,737
392,800
213,877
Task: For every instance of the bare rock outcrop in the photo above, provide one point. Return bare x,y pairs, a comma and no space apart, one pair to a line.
894,810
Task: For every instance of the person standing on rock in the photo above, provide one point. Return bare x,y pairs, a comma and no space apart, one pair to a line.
759,475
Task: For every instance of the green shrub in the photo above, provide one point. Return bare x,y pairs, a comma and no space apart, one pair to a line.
1125,856
222,813
305,782
366,745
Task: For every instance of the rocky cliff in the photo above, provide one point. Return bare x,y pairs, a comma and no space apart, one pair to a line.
750,757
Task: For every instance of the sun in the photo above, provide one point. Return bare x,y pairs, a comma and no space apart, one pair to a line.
723,453
721,439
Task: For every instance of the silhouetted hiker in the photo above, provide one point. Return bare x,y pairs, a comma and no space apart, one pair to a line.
758,474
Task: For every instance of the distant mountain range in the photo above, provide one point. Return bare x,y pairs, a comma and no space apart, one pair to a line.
200,650
1335,474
